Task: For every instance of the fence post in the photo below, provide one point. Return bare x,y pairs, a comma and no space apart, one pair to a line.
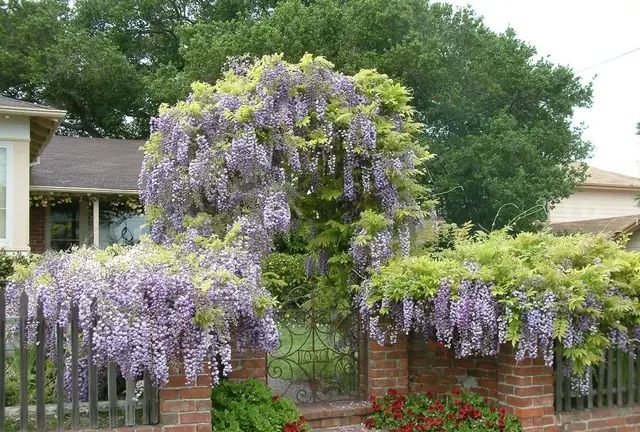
40,408
24,366
3,349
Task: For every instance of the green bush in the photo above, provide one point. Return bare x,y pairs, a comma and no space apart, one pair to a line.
8,261
250,406
284,276
459,412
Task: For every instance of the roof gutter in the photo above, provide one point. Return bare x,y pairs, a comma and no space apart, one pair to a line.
34,112
83,190
594,186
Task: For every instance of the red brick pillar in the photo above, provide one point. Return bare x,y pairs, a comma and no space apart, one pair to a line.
525,388
37,226
186,408
387,367
248,364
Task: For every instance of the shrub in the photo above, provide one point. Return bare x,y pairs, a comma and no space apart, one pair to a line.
8,262
458,412
250,406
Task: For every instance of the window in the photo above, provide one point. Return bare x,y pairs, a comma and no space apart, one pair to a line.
64,225
119,224
5,191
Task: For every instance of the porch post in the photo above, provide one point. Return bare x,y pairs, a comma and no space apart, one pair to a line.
96,222
83,222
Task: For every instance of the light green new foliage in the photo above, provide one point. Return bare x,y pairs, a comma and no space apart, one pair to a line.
574,268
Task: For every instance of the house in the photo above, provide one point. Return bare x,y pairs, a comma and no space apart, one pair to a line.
607,202
56,192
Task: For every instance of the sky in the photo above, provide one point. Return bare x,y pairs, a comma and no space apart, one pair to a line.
582,34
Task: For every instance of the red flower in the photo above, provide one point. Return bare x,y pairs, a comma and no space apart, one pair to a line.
275,398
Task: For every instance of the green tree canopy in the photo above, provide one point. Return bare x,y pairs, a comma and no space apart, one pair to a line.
498,117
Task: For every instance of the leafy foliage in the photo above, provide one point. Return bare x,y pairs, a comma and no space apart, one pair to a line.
425,412
250,406
284,276
483,96
9,262
531,290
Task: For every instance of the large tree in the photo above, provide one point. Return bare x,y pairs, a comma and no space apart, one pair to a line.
497,116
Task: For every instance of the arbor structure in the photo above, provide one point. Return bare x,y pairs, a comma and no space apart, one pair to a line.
271,147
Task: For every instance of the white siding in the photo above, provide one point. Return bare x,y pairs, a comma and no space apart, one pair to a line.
15,134
595,204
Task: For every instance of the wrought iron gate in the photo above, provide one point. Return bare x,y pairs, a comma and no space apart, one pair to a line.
317,359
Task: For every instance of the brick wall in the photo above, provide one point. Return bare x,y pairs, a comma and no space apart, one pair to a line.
434,368
185,408
626,419
37,226
248,364
525,388
387,367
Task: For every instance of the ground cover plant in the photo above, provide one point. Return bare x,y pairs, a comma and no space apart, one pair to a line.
458,412
250,406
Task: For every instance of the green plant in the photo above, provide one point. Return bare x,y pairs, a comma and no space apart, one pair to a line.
284,276
533,290
12,379
457,412
250,406
7,263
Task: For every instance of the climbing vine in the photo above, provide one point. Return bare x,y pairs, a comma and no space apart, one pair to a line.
533,291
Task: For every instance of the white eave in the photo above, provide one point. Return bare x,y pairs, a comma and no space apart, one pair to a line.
82,190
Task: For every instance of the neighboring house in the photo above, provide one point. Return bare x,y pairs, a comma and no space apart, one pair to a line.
56,192
607,202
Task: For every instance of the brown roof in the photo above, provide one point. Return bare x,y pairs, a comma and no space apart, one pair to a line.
94,163
15,103
597,177
615,226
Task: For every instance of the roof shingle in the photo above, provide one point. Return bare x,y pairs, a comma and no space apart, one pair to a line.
97,163
613,226
15,103
598,177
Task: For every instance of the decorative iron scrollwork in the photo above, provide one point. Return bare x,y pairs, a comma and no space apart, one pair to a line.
316,361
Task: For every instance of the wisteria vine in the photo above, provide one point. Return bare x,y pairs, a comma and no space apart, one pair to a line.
150,305
289,145
269,147
534,291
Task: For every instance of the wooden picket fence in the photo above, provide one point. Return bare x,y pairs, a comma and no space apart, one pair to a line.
95,413
615,382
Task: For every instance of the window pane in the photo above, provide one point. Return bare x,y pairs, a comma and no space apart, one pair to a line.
119,224
3,193
64,225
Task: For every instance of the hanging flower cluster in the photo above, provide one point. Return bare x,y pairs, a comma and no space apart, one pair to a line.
535,291
148,305
270,145
278,144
